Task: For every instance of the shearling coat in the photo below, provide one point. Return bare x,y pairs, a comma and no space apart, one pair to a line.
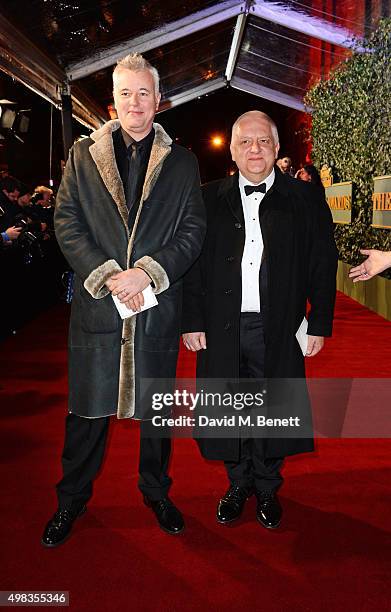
108,357
299,264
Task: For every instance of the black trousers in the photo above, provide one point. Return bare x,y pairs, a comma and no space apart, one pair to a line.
84,448
253,469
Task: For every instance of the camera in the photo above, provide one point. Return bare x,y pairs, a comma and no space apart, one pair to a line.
26,235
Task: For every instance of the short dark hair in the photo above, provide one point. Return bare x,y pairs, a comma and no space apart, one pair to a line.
24,189
9,184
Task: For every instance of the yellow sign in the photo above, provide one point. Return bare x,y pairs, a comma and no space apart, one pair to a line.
339,197
342,202
381,216
382,201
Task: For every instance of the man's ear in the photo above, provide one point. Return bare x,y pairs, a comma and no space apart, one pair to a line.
277,150
158,98
232,152
113,97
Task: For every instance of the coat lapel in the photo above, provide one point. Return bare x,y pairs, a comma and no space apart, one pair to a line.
229,190
160,149
279,189
102,152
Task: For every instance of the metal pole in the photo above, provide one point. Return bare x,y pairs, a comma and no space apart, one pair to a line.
51,146
235,45
66,118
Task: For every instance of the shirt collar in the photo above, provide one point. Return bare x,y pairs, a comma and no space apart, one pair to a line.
269,180
128,140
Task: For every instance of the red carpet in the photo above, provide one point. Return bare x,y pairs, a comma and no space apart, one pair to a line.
331,553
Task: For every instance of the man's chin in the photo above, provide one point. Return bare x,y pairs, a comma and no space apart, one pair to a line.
134,125
135,128
258,169
257,173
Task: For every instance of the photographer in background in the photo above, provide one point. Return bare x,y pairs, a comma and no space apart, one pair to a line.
43,204
43,196
9,235
43,201
9,253
29,260
9,193
15,206
33,230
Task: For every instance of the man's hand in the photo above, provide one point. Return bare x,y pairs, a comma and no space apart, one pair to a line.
128,285
315,344
13,232
135,302
376,262
194,341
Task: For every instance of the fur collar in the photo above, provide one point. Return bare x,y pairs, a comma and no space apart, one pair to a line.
102,152
114,124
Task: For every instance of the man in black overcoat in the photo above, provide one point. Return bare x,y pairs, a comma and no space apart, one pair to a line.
129,214
269,249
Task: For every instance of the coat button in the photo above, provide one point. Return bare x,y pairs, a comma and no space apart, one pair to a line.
228,291
230,258
238,225
227,326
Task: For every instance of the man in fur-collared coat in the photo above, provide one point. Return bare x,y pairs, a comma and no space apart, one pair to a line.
129,214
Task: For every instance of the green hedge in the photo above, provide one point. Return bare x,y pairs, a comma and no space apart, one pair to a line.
351,132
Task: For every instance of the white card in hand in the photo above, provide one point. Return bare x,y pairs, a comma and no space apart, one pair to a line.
301,336
149,301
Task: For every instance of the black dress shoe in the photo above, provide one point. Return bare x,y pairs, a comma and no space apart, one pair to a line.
269,509
168,515
230,507
60,526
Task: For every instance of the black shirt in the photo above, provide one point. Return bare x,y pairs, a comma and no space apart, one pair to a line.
132,180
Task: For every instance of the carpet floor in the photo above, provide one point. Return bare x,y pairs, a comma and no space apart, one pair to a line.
332,552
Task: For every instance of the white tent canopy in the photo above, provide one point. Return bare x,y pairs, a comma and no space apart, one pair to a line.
272,49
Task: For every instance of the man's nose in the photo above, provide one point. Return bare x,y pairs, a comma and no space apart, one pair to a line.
255,148
133,98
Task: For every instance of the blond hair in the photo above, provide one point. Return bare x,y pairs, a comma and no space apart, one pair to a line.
136,62
43,189
264,116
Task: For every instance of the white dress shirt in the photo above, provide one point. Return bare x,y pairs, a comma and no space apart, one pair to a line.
253,246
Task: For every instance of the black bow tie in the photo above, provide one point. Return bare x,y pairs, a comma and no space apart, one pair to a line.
249,189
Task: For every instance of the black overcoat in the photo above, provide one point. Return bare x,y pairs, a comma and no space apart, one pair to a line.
299,264
108,358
